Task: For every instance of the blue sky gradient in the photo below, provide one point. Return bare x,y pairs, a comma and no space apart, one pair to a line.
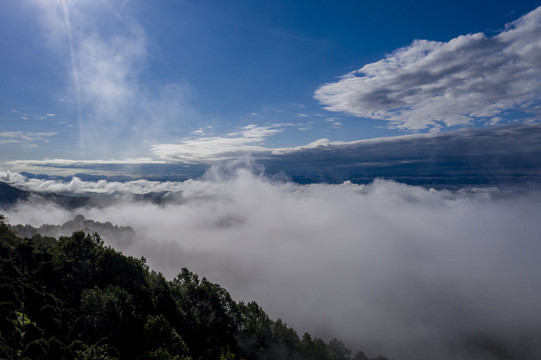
199,81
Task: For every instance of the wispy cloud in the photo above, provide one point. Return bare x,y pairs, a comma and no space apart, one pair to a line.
107,61
317,144
198,132
22,136
298,106
25,116
432,84
334,122
68,162
208,149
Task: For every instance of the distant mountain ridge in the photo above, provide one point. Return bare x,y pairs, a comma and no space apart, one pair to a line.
10,196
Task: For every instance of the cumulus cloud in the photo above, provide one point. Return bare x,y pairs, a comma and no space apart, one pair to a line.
430,84
394,269
12,177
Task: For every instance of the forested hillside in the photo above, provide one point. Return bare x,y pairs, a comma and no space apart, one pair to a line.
74,298
107,231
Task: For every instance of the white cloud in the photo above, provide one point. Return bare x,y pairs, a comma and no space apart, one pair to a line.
431,84
12,177
22,136
198,132
68,167
334,122
320,143
392,269
258,132
69,162
25,116
106,51
78,186
207,149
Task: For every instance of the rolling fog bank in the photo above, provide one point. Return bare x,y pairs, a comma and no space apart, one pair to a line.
389,268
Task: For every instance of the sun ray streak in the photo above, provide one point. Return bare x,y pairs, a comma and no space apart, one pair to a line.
75,72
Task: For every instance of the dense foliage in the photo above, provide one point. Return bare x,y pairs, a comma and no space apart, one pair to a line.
74,298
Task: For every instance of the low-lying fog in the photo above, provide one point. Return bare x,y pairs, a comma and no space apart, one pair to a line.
388,268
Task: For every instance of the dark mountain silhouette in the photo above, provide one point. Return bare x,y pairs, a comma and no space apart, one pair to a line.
10,196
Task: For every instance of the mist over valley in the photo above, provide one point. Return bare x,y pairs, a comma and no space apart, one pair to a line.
389,268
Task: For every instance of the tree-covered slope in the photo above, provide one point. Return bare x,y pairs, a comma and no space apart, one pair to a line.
74,298
107,231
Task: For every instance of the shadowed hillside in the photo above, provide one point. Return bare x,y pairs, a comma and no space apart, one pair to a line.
10,196
74,298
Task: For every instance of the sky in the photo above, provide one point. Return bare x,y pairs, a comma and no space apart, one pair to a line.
88,83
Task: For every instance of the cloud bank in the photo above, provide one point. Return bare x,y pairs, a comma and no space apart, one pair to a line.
428,84
456,157
393,269
464,157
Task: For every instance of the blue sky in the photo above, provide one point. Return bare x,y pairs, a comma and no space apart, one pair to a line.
199,81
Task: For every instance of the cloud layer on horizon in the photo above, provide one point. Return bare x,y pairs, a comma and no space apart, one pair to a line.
210,149
493,151
389,268
428,84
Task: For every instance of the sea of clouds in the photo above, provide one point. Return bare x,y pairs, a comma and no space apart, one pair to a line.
391,269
